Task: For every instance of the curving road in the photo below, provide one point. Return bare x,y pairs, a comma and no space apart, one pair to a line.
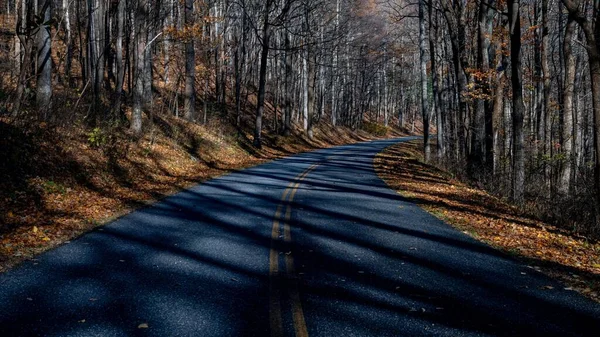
310,245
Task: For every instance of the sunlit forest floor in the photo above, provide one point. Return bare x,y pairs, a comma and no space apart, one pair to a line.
61,181
575,260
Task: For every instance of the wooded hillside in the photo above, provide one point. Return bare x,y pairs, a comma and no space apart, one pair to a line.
309,59
514,85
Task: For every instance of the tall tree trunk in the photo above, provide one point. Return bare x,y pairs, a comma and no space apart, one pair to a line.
264,57
386,120
517,100
100,41
119,56
437,108
305,105
477,153
237,64
223,65
147,75
23,35
485,132
190,64
321,77
287,121
569,89
423,72
92,56
498,108
140,46
240,65
334,68
311,90
169,22
66,4
546,89
44,61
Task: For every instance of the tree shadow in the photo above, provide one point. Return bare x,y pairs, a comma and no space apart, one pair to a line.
368,262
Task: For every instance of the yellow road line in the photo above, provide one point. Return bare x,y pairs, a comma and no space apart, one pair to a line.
274,295
297,312
275,319
275,315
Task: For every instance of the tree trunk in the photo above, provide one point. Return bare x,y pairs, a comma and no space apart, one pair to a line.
517,100
287,120
264,56
546,89
119,56
485,132
44,61
68,39
440,149
190,64
569,89
23,35
334,68
305,104
423,72
147,75
140,46
240,66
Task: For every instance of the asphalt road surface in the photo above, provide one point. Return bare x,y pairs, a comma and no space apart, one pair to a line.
311,245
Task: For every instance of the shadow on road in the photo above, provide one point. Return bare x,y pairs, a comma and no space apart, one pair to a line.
369,263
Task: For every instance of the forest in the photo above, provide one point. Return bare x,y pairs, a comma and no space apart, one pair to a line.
506,92
299,167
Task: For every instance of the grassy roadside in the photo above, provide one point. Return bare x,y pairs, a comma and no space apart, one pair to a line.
571,259
59,183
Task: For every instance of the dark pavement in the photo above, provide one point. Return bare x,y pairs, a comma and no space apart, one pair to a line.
310,245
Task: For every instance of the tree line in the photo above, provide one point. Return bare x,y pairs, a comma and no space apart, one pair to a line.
516,89
305,59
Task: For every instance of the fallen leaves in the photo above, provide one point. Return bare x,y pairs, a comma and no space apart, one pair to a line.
491,220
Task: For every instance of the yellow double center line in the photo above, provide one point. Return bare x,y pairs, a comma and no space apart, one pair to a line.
294,294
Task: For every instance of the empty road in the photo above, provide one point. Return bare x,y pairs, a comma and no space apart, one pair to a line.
310,245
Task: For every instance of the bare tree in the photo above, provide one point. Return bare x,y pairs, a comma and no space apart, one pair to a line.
140,36
190,64
44,60
424,80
